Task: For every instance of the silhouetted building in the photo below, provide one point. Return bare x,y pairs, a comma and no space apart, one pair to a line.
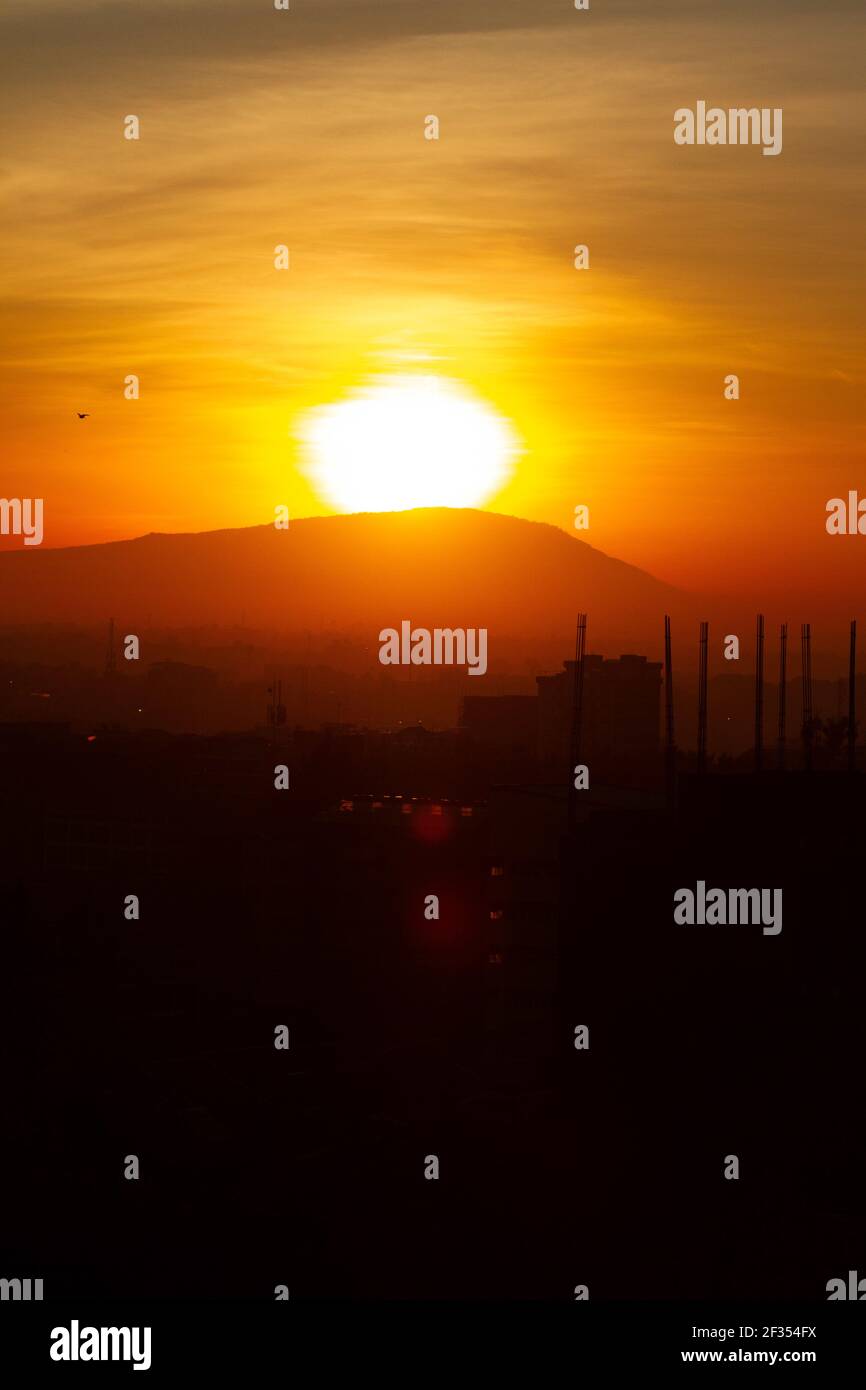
620,709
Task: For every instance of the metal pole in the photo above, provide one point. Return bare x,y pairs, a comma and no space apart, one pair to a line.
783,691
670,750
852,699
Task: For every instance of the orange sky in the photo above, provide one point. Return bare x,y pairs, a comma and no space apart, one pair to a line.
260,127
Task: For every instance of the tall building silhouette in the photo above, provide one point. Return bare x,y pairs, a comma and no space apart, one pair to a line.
620,708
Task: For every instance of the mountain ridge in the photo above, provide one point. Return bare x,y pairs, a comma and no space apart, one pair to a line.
347,572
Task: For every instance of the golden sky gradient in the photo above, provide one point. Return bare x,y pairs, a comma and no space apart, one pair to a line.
261,127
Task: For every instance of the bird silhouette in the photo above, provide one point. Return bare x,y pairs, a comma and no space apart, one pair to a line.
85,416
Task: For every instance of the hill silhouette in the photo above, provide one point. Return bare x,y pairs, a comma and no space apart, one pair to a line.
352,575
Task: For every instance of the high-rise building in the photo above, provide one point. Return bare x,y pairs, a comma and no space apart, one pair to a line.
620,709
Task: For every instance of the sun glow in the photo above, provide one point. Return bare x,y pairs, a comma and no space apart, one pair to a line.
405,441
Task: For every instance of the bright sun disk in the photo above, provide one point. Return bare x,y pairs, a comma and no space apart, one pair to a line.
407,441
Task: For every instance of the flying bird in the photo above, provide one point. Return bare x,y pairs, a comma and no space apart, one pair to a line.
85,416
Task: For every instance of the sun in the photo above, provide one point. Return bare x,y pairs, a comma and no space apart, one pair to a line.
402,441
